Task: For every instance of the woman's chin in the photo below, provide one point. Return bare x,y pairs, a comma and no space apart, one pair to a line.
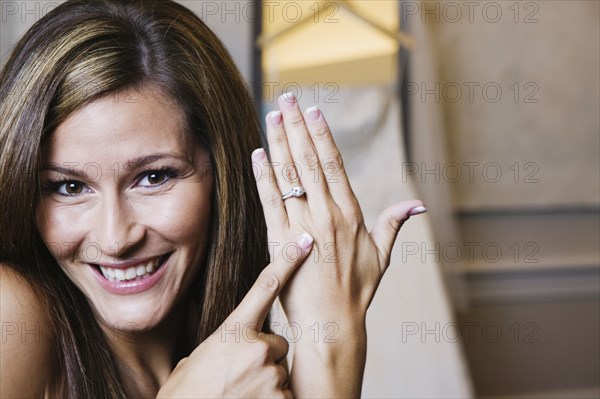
130,318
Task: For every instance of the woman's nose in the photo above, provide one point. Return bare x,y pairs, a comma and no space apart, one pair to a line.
118,229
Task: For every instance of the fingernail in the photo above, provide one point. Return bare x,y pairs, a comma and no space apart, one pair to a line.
305,241
275,117
313,113
259,154
417,211
289,98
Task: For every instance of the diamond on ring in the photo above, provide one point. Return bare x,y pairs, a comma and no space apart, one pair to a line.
295,192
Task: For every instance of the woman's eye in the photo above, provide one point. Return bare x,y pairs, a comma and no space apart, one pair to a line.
71,188
154,178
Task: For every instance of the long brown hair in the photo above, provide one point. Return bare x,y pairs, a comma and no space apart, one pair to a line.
81,51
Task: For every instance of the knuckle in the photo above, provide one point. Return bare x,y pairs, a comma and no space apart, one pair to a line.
333,162
355,225
282,341
330,222
265,337
268,282
321,133
273,374
394,224
354,217
309,158
295,120
260,351
289,173
278,138
274,200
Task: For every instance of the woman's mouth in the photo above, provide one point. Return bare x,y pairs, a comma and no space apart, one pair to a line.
131,273
131,279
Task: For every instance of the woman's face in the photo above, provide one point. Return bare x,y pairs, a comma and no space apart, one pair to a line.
124,208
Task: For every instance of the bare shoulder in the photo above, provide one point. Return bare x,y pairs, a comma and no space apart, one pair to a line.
26,344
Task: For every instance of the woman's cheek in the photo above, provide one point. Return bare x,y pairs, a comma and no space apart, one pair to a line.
181,215
62,229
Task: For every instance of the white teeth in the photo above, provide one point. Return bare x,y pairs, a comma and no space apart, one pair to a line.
131,273
119,274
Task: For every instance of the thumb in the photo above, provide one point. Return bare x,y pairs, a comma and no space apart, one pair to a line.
389,223
258,301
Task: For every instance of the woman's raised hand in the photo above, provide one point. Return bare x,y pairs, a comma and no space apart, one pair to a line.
238,360
328,297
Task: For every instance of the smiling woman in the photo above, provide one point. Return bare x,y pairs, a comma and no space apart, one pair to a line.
153,211
133,226
89,88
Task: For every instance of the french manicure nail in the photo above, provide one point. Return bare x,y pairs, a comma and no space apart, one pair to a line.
313,113
258,154
417,211
275,117
305,241
289,98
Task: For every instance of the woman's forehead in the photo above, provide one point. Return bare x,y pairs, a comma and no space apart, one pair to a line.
124,123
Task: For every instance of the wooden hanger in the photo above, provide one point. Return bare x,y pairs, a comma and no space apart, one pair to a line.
400,37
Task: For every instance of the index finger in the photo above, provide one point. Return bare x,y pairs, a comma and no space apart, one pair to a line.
258,301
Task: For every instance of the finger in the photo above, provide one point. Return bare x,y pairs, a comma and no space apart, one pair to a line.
270,197
180,363
389,223
278,346
258,301
284,169
277,376
287,394
283,363
330,159
283,376
303,152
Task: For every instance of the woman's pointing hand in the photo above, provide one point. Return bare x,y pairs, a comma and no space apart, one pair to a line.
239,360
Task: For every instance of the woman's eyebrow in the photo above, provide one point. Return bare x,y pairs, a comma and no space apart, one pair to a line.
69,168
139,162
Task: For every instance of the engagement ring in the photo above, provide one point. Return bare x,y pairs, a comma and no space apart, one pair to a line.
295,192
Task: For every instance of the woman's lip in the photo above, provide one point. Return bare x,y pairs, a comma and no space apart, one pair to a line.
133,286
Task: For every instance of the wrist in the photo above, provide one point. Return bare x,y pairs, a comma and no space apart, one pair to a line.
329,333
329,369
333,345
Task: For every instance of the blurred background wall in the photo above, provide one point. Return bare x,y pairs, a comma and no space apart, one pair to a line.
515,86
487,110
